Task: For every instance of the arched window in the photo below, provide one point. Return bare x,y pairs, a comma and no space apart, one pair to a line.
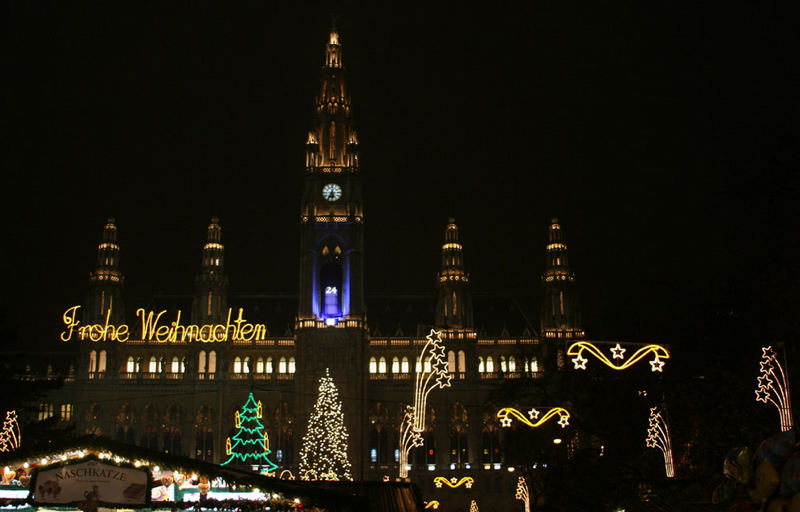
462,362
418,366
382,365
212,362
512,364
291,365
428,365
260,365
130,366
451,361
201,362
373,365
237,365
92,361
152,366
282,365
204,447
534,365
395,365
175,367
503,367
490,439
489,364
481,368
269,365
404,365
246,365
101,364
208,304
172,440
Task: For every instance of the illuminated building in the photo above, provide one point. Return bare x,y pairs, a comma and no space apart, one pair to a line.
181,396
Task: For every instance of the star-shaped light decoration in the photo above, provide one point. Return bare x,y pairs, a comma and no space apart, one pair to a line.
618,352
658,437
563,421
580,362
438,484
762,395
505,422
533,414
773,386
764,381
651,442
656,365
468,484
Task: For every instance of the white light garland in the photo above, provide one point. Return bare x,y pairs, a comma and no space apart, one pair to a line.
774,388
432,374
522,493
324,450
10,437
658,437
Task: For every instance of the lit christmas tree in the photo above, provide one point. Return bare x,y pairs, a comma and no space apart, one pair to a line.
324,450
250,445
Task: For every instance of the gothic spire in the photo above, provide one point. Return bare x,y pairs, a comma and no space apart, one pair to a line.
454,302
560,317
210,303
106,280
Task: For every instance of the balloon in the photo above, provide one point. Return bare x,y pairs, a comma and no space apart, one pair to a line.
737,465
776,448
790,476
765,482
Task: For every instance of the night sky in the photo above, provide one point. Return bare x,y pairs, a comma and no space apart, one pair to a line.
663,136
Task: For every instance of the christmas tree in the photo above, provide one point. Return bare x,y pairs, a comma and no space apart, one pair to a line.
324,450
251,443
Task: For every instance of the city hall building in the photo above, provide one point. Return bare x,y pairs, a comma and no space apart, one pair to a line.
181,396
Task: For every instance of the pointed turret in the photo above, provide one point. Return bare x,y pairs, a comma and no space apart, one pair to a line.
105,282
560,317
210,303
454,302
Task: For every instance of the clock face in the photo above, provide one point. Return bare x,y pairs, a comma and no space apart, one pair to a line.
331,192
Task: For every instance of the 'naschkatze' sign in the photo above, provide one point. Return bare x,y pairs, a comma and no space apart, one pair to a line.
90,481
153,328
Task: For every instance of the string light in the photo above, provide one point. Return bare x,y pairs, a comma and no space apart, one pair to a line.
773,387
453,482
658,437
10,437
432,374
656,365
506,413
522,493
325,444
251,442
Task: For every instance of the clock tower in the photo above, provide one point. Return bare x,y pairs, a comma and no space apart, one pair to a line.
331,330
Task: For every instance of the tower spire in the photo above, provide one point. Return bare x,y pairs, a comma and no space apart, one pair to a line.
105,281
210,303
454,301
560,316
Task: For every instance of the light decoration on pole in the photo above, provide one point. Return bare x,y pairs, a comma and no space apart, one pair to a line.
658,437
432,374
773,387
433,504
453,482
617,352
250,445
522,493
324,448
536,417
473,506
10,437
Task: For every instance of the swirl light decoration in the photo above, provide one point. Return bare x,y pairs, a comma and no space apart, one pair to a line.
453,482
10,436
774,388
506,413
522,493
433,504
432,374
656,365
658,437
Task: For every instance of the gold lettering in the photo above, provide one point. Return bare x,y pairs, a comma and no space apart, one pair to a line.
70,322
247,332
193,333
122,333
162,334
237,332
175,326
208,337
148,325
261,332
